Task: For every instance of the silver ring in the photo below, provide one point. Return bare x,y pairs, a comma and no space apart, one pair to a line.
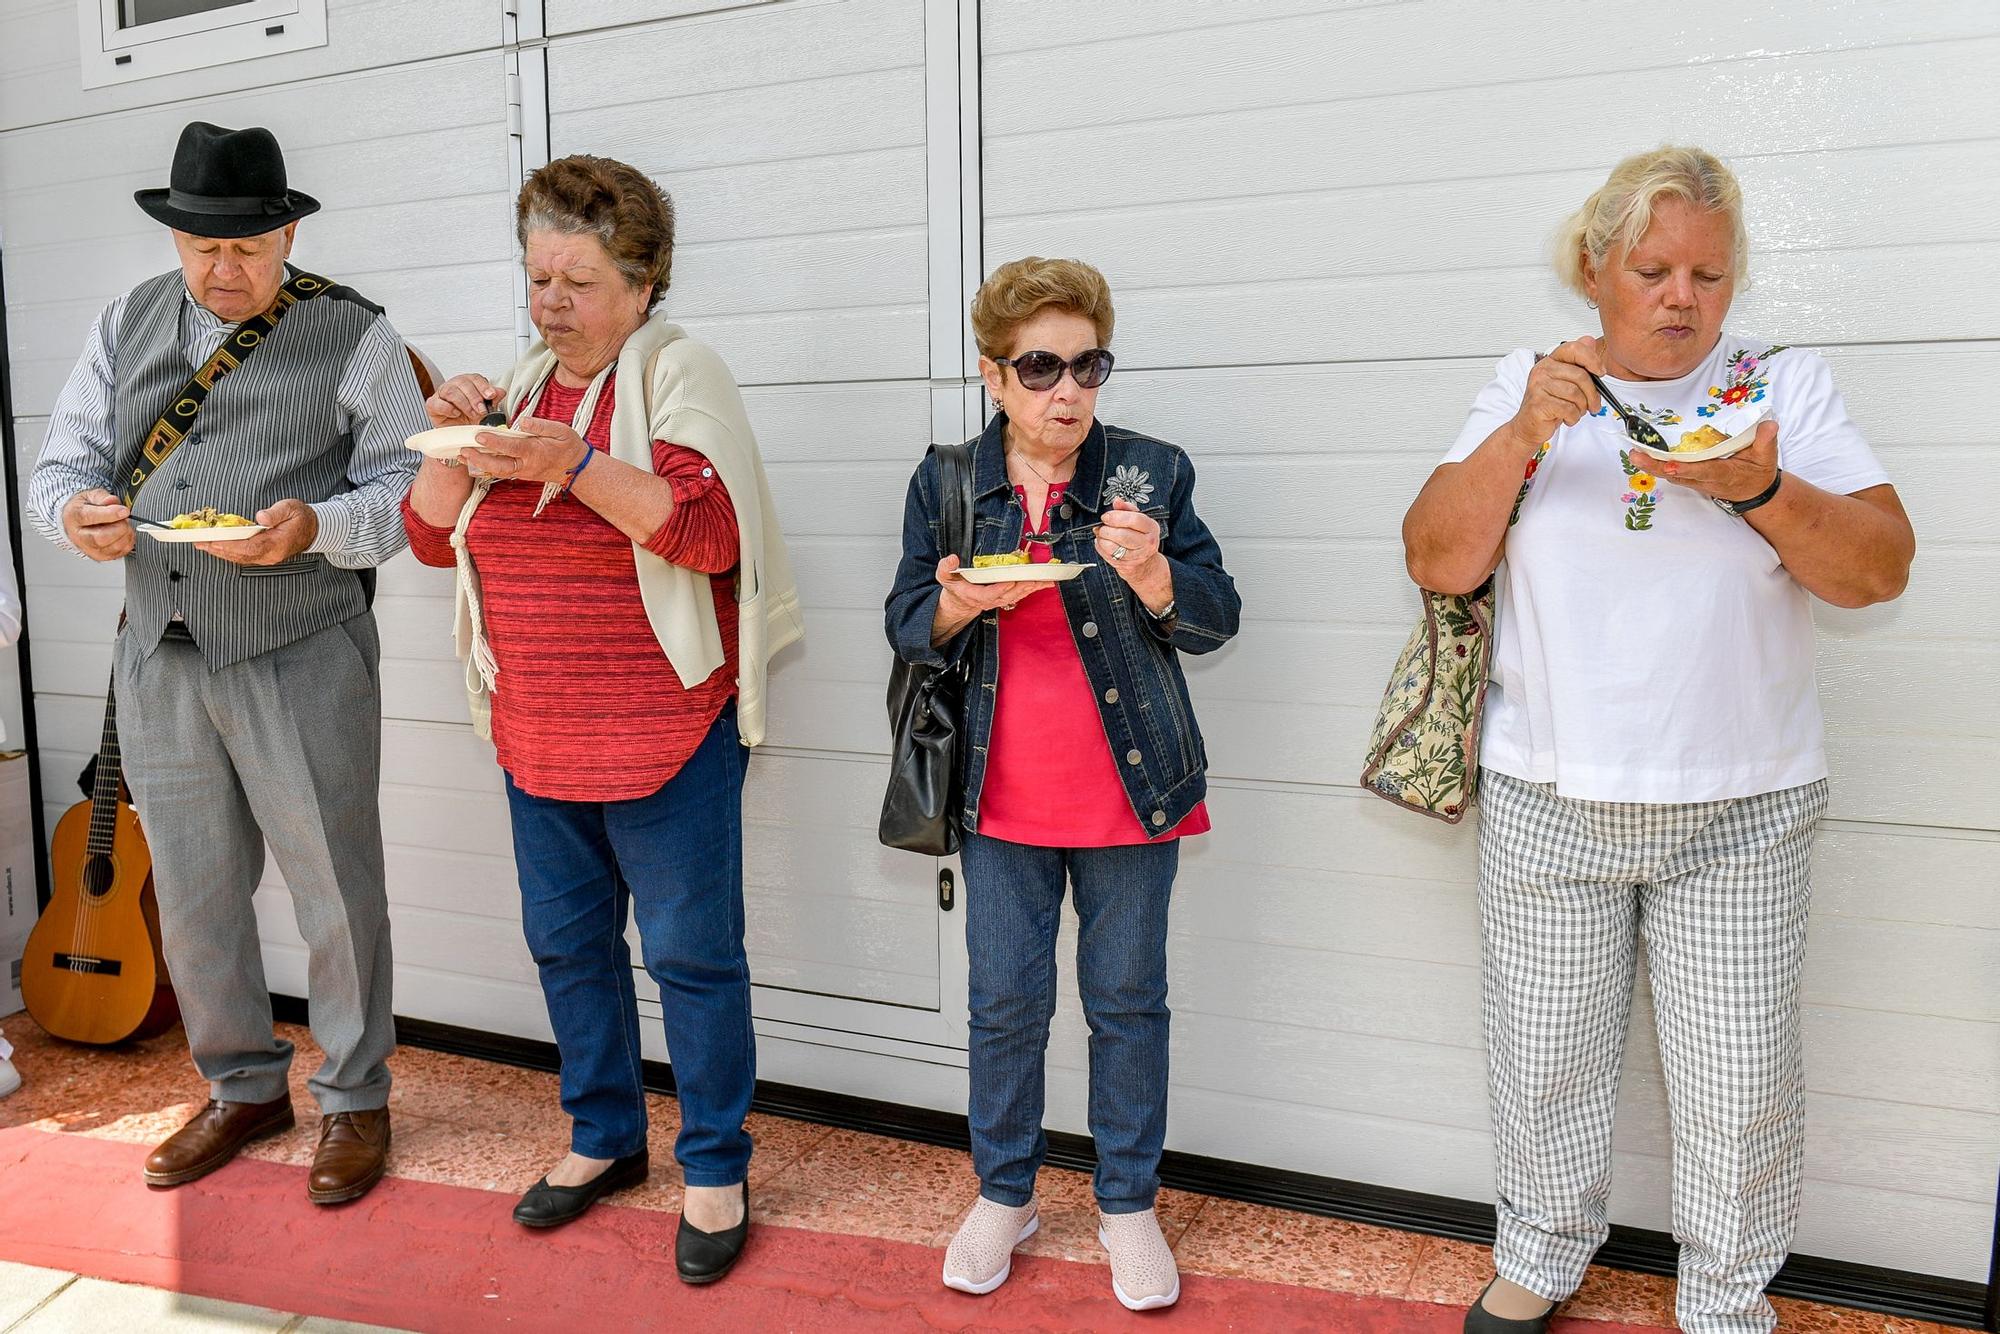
1118,553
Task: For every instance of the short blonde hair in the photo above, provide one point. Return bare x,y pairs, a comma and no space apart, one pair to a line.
1620,211
1018,291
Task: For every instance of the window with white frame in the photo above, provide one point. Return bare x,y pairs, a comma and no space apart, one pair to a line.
123,40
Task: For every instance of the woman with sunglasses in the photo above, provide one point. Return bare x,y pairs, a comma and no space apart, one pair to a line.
1084,766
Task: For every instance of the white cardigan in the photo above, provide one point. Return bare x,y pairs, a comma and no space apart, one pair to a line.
689,399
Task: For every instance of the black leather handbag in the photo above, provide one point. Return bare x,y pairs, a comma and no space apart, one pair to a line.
920,811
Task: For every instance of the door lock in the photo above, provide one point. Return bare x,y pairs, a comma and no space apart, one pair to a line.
946,887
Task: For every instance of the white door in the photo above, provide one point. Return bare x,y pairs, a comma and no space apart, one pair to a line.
792,137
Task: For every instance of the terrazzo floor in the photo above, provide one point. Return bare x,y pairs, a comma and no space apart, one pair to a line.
483,1127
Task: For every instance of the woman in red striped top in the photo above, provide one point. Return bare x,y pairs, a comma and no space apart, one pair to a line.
624,781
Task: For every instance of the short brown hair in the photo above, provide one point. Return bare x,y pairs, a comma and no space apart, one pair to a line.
1016,292
631,217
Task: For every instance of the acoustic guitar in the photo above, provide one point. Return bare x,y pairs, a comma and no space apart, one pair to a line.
93,971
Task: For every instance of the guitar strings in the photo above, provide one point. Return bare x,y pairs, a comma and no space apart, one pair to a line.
85,935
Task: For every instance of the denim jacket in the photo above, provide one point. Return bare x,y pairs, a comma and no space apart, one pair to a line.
1131,660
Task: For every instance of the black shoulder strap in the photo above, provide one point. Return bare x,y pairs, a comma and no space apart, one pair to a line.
955,498
175,423
342,292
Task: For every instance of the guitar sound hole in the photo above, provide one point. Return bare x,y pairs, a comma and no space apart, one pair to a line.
98,874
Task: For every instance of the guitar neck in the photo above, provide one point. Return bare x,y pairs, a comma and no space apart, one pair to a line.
104,791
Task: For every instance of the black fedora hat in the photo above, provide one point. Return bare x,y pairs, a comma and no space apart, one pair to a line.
226,183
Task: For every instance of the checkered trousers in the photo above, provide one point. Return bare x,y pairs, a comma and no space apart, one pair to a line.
1718,890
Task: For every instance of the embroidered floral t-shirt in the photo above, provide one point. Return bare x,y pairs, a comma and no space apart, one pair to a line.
1650,647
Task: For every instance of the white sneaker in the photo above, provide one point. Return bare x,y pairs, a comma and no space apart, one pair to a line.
1142,1264
10,1078
981,1254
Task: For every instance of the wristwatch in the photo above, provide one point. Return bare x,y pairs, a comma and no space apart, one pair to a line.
1742,507
1164,614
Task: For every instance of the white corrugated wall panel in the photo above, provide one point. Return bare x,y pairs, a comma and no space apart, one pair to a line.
1322,224
399,128
40,84
792,138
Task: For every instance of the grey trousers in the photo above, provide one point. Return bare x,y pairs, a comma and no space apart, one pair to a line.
284,747
1718,890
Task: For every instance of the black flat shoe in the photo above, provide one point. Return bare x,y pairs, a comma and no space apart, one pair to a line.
703,1257
552,1206
1479,1320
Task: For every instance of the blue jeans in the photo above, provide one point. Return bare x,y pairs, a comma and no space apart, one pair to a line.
676,857
1013,909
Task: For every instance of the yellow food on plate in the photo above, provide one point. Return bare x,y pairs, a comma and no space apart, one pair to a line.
209,517
1699,438
1010,558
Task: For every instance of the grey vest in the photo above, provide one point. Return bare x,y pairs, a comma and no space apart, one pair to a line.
270,430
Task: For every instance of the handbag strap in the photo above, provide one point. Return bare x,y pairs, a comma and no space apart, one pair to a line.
177,421
955,498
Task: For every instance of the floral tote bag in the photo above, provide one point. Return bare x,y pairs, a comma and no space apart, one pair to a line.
1424,751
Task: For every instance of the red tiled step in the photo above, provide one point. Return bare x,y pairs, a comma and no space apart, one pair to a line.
447,1258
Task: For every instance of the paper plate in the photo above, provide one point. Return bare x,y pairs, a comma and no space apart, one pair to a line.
1739,425
235,533
1056,571
444,442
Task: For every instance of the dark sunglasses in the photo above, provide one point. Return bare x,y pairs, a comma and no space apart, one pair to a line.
1041,370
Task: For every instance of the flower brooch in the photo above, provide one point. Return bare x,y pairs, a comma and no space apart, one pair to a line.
1128,483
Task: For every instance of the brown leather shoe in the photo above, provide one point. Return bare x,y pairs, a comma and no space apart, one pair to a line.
353,1151
213,1137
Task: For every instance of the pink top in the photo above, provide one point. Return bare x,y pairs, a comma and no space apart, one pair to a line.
1051,781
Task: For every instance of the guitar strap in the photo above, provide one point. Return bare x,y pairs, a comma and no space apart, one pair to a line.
174,424
178,420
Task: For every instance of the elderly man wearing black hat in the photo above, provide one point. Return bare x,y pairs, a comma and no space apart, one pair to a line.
248,704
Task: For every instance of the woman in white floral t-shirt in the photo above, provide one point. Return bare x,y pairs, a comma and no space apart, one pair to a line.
1651,756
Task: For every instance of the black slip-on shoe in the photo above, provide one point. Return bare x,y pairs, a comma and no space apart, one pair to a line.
703,1257
552,1206
1479,1320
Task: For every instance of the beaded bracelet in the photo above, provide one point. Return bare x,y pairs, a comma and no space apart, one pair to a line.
570,475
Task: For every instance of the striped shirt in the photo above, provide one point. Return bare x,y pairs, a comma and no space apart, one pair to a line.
378,401
586,706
